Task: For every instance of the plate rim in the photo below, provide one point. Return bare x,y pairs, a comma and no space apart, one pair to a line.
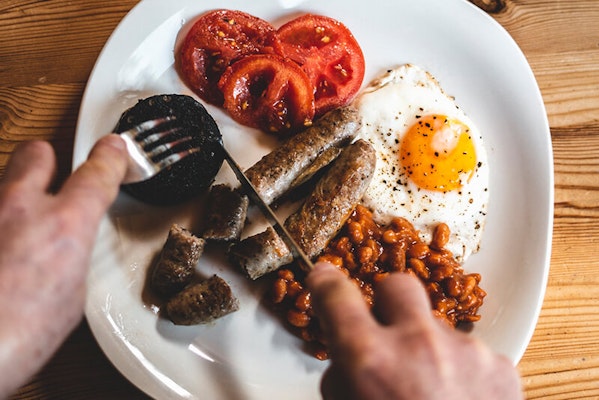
79,150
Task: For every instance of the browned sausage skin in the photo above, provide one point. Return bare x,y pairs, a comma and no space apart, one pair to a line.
202,302
318,220
260,254
178,258
226,211
293,162
334,197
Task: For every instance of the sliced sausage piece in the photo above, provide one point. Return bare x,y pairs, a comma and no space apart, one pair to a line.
318,220
176,265
283,168
226,212
202,302
260,254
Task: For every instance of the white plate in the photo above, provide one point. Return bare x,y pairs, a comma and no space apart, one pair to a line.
249,355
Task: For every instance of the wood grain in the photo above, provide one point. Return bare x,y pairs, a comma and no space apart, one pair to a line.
41,112
54,42
576,166
48,48
561,42
562,360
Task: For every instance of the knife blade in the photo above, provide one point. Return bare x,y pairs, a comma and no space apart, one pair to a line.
249,189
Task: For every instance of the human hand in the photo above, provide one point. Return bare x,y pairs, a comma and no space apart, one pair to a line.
45,250
403,353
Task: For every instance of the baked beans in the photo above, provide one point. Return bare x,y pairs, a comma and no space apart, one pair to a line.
367,252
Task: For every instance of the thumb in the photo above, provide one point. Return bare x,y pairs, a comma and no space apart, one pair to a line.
94,185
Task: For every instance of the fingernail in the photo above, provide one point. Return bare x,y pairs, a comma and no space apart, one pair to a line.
115,141
323,265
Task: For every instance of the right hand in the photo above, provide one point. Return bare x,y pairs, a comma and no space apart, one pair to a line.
403,353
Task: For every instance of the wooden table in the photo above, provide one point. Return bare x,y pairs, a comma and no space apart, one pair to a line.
47,50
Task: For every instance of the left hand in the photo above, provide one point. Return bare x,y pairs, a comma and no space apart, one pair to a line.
45,250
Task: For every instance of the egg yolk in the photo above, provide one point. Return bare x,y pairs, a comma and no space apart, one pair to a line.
438,153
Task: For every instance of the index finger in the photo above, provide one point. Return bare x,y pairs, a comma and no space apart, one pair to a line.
339,305
94,185
33,164
401,297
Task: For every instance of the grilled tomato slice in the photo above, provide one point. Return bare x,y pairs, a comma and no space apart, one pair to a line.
215,40
330,56
269,92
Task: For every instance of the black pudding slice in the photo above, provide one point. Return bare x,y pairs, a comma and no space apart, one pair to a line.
195,173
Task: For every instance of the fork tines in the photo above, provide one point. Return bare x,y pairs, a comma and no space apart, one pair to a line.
153,146
155,141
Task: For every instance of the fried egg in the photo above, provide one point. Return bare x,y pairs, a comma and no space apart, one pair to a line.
431,162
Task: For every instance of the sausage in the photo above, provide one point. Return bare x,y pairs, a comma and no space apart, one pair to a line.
333,199
320,217
260,254
176,266
202,302
286,166
226,212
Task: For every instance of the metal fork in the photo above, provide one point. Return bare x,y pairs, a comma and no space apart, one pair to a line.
274,221
149,146
147,158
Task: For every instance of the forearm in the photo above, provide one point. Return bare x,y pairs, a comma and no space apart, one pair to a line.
45,249
35,318
20,355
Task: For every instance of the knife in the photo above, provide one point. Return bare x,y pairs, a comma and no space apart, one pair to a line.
247,186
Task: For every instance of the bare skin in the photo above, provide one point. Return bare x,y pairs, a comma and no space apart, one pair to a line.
44,255
403,353
45,249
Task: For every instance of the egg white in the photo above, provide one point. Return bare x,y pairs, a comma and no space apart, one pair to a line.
389,106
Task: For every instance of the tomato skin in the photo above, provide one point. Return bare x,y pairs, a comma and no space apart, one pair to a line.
217,39
268,92
307,67
330,56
